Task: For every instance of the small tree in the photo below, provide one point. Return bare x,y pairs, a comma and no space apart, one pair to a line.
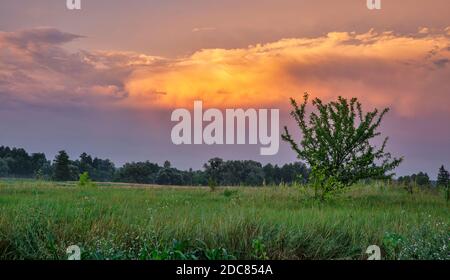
212,184
85,163
62,170
167,164
443,181
213,170
336,143
85,180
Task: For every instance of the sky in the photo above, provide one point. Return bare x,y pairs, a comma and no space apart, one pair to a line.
105,79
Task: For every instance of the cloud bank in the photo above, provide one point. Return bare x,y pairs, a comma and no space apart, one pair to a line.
35,69
406,72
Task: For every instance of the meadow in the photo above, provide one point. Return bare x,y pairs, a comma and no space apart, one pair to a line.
39,220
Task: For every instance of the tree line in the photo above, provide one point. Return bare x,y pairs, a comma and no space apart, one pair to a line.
17,162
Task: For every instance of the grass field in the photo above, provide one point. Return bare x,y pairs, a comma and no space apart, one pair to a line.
39,220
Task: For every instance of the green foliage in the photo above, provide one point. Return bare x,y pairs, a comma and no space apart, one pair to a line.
17,163
85,180
324,185
447,193
443,177
42,168
100,170
414,181
421,179
252,173
291,173
392,243
138,172
145,248
214,171
212,184
443,182
62,169
336,143
205,252
218,254
178,251
230,193
23,165
428,241
259,249
169,176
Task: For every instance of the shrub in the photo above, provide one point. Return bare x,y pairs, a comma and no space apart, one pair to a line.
392,243
85,180
212,184
229,193
259,249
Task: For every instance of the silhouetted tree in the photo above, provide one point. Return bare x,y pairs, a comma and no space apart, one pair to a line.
138,172
19,161
443,181
42,168
167,164
213,170
102,170
62,170
199,178
169,176
85,163
443,177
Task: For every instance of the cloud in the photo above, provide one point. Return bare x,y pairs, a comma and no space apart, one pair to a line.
406,72
35,69
41,36
201,29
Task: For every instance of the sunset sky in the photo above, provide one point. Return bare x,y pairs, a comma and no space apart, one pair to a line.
105,79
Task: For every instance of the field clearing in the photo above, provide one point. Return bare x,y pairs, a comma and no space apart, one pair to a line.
39,220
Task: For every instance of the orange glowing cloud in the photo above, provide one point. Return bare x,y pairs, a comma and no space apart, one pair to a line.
406,72
385,69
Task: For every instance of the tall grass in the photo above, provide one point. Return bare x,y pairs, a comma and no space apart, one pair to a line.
39,220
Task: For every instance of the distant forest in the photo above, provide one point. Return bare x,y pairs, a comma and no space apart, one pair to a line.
18,163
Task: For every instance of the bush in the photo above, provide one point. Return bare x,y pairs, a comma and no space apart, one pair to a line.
324,186
392,243
229,193
85,180
259,249
212,184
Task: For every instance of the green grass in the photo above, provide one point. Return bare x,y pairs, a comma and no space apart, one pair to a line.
39,220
